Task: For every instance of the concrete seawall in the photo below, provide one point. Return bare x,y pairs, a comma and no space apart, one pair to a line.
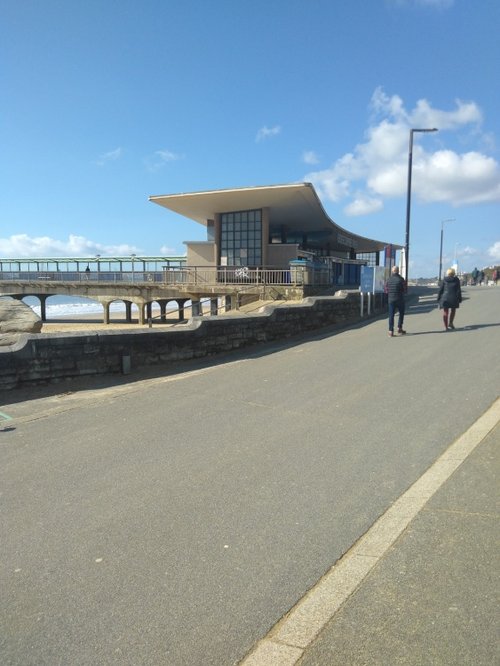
41,359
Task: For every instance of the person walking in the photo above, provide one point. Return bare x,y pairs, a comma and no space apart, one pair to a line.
449,298
396,290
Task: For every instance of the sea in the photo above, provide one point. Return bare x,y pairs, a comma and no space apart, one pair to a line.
73,306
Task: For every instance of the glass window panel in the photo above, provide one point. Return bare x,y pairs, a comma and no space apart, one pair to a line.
237,217
244,216
257,215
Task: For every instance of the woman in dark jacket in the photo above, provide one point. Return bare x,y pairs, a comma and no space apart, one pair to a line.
449,297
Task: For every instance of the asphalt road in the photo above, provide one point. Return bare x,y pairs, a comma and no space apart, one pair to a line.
174,520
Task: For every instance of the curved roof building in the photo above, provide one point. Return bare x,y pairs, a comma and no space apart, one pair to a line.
265,226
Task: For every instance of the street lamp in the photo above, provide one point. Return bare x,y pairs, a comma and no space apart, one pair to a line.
455,258
408,198
451,219
98,256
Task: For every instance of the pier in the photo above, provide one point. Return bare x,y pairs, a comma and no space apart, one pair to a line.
143,281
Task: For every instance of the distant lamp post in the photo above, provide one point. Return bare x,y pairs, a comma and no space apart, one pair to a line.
133,256
98,256
408,198
443,222
455,258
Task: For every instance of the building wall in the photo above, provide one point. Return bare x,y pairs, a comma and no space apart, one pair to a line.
200,253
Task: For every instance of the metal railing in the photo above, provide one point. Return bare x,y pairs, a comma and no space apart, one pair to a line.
194,275
127,277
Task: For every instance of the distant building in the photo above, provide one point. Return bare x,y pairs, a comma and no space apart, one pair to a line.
268,226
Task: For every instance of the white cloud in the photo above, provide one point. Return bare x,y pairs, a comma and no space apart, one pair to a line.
111,156
159,158
378,168
363,206
21,246
310,157
494,251
266,132
167,251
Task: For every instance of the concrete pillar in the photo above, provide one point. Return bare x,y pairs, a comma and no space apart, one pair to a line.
213,306
128,312
43,309
163,310
105,319
180,304
142,319
196,309
149,310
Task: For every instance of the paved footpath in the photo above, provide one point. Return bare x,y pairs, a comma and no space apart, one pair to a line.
430,594
176,520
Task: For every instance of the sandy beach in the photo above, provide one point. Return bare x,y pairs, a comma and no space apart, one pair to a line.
90,322
93,322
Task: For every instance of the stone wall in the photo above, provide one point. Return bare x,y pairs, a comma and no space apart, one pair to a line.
39,359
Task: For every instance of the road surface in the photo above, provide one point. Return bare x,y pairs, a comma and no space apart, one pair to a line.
175,519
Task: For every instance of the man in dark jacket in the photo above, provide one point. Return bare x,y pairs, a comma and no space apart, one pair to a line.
396,289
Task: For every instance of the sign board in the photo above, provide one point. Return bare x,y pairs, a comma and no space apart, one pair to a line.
379,280
366,282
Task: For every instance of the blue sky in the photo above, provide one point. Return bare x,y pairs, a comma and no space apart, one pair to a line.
105,102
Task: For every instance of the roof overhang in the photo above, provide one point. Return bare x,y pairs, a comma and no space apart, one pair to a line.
296,206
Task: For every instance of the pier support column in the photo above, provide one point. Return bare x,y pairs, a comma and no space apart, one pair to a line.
214,306
128,312
142,307
163,310
43,308
105,317
196,309
149,310
180,305
235,302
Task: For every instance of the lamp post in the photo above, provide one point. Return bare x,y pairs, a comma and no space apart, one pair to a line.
455,258
451,219
408,198
98,256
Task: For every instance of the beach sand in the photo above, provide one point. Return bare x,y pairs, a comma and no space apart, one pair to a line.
93,322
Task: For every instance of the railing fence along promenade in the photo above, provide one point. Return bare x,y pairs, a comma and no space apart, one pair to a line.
193,275
224,285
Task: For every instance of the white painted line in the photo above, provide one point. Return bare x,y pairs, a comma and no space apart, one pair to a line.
286,642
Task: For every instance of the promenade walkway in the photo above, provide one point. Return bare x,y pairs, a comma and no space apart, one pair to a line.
422,586
180,518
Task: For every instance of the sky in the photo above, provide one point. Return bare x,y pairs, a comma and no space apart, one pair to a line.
106,102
